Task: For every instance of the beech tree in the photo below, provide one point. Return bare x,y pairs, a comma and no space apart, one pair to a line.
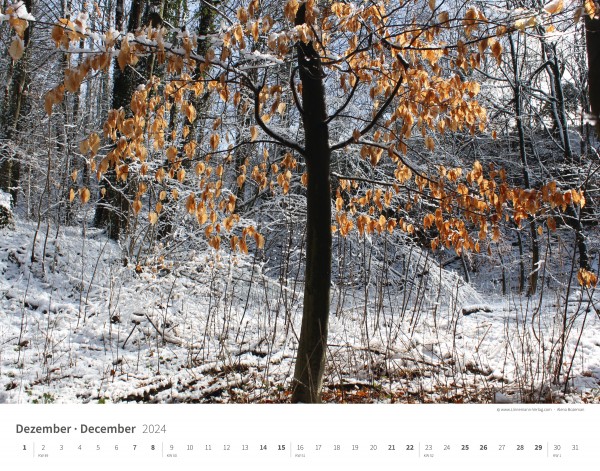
326,83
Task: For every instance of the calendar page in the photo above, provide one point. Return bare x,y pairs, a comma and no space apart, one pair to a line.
354,437
299,234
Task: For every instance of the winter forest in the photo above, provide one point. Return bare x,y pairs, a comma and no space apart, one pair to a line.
258,201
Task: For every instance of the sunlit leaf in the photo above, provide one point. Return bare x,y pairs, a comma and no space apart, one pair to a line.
84,195
214,141
555,6
16,48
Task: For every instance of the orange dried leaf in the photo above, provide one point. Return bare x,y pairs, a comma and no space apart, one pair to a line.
18,24
190,112
124,57
497,52
555,6
260,240
57,34
84,146
428,221
214,141
587,278
430,143
496,234
590,8
243,245
291,7
16,49
84,195
48,102
190,203
242,15
443,17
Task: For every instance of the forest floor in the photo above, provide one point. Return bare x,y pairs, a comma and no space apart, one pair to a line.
76,325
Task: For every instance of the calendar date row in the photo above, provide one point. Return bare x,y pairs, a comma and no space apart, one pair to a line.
290,448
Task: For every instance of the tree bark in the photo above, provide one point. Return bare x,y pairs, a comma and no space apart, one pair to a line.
592,35
312,346
207,23
535,247
573,215
559,112
113,208
15,103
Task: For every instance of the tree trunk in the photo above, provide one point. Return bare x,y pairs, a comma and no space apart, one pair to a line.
592,35
312,347
535,247
206,26
113,208
573,218
15,103
153,16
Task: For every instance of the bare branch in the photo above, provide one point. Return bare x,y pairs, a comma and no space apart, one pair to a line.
343,107
272,134
294,92
379,113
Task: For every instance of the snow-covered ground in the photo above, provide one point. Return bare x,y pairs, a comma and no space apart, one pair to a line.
76,325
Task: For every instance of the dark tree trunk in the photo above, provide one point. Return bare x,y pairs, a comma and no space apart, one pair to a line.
535,246
573,218
312,347
15,104
112,209
153,16
206,26
592,35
